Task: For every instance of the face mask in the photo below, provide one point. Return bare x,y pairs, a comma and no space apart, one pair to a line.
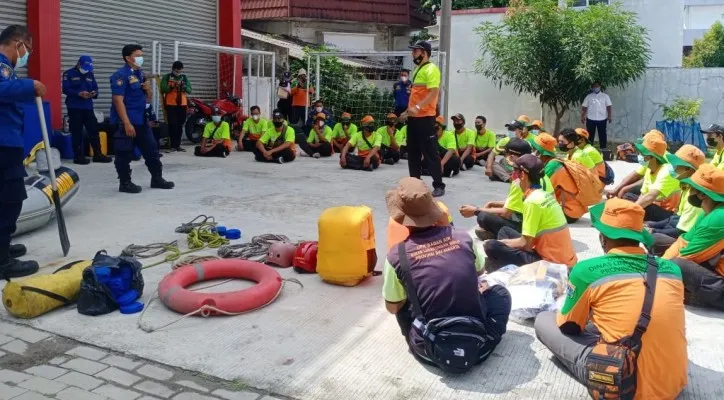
255,117
418,60
318,109
345,126
597,90
511,134
642,161
672,171
367,131
22,61
390,123
82,71
277,124
478,127
139,61
177,73
535,131
216,118
458,126
711,142
320,123
563,147
403,79
695,201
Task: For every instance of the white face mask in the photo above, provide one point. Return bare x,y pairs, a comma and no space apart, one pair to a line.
139,61
82,71
318,109
216,118
255,117
320,123
511,134
535,131
403,79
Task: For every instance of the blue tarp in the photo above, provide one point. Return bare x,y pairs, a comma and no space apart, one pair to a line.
683,132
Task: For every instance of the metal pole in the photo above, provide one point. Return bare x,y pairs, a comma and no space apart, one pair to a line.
157,106
319,80
272,95
306,106
445,32
175,50
248,83
258,80
154,62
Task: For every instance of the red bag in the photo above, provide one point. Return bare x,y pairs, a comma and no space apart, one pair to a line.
305,258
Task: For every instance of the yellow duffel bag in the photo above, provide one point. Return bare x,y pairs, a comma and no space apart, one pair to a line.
41,294
347,253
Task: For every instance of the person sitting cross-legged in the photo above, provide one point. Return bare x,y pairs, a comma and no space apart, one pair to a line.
277,143
343,131
390,150
484,141
319,141
465,141
252,130
569,141
544,235
216,140
367,143
606,304
440,281
699,252
401,139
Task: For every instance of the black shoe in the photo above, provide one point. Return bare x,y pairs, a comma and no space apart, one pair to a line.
483,235
17,250
129,187
13,268
102,159
160,183
390,161
181,149
280,160
438,192
81,161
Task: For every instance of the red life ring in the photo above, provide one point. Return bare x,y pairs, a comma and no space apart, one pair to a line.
172,292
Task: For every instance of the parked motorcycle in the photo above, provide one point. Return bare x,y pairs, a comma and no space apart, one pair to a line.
200,114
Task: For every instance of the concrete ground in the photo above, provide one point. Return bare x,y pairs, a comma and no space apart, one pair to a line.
322,341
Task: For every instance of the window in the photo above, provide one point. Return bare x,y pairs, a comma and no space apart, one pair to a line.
585,3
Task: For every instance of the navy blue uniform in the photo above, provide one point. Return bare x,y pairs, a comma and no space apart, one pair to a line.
13,91
80,110
127,82
402,96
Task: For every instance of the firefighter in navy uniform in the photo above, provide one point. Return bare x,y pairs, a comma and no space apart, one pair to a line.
15,48
80,88
131,92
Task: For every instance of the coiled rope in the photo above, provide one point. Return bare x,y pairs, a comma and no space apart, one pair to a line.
256,249
191,260
200,220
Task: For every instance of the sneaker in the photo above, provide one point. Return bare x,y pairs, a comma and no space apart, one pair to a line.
129,187
438,192
483,235
13,268
102,159
81,161
17,250
280,160
160,183
181,149
389,161
316,155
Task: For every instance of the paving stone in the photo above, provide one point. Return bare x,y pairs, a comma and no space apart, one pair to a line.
22,332
148,398
116,393
72,393
31,396
87,352
192,385
46,371
2,353
16,346
9,376
228,395
118,376
83,381
42,385
85,366
193,396
58,360
155,389
270,398
156,373
8,392
4,339
121,362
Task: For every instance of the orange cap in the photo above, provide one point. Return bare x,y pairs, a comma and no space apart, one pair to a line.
346,115
657,133
547,143
655,145
524,118
538,123
367,120
709,180
692,155
391,116
440,120
583,133
321,116
623,214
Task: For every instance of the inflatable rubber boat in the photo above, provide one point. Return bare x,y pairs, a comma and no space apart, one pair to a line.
38,208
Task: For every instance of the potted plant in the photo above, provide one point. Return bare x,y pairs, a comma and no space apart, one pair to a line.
680,125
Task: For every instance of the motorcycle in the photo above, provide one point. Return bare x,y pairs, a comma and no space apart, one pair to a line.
200,114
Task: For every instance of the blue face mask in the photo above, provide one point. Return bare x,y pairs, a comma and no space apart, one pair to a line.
642,161
511,134
22,61
139,61
597,90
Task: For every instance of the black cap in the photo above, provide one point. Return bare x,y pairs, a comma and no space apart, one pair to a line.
424,45
714,128
530,164
276,114
459,116
518,147
515,124
216,111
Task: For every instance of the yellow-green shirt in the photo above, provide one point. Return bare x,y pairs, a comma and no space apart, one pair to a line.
593,154
500,147
255,129
485,140
530,138
514,201
718,160
269,138
581,157
338,131
401,136
223,132
359,142
327,135
447,140
662,181
465,138
382,132
688,214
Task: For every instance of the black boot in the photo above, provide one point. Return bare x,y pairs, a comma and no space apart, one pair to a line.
159,183
102,159
81,161
17,250
12,268
129,187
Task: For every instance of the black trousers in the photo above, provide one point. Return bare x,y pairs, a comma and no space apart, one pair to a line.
499,255
496,304
287,155
403,152
324,149
12,194
285,107
452,166
422,141
124,147
389,155
494,223
176,117
298,113
654,213
600,126
217,151
248,144
357,162
77,120
468,161
702,286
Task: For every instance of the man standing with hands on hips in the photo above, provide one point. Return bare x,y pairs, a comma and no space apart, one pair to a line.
421,113
131,91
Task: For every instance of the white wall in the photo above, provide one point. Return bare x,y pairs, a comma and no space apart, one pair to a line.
664,20
258,92
703,17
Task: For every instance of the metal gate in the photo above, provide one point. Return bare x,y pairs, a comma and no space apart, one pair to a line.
101,28
14,12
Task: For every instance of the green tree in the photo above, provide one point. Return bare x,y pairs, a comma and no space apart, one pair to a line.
708,52
556,53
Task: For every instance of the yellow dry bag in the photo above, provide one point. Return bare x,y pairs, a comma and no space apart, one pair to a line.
347,252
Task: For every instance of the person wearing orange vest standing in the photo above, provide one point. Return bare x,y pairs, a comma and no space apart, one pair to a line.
421,113
175,86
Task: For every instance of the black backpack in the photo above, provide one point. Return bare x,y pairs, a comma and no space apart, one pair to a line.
454,344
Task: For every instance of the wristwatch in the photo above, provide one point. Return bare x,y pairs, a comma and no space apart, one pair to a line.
477,212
